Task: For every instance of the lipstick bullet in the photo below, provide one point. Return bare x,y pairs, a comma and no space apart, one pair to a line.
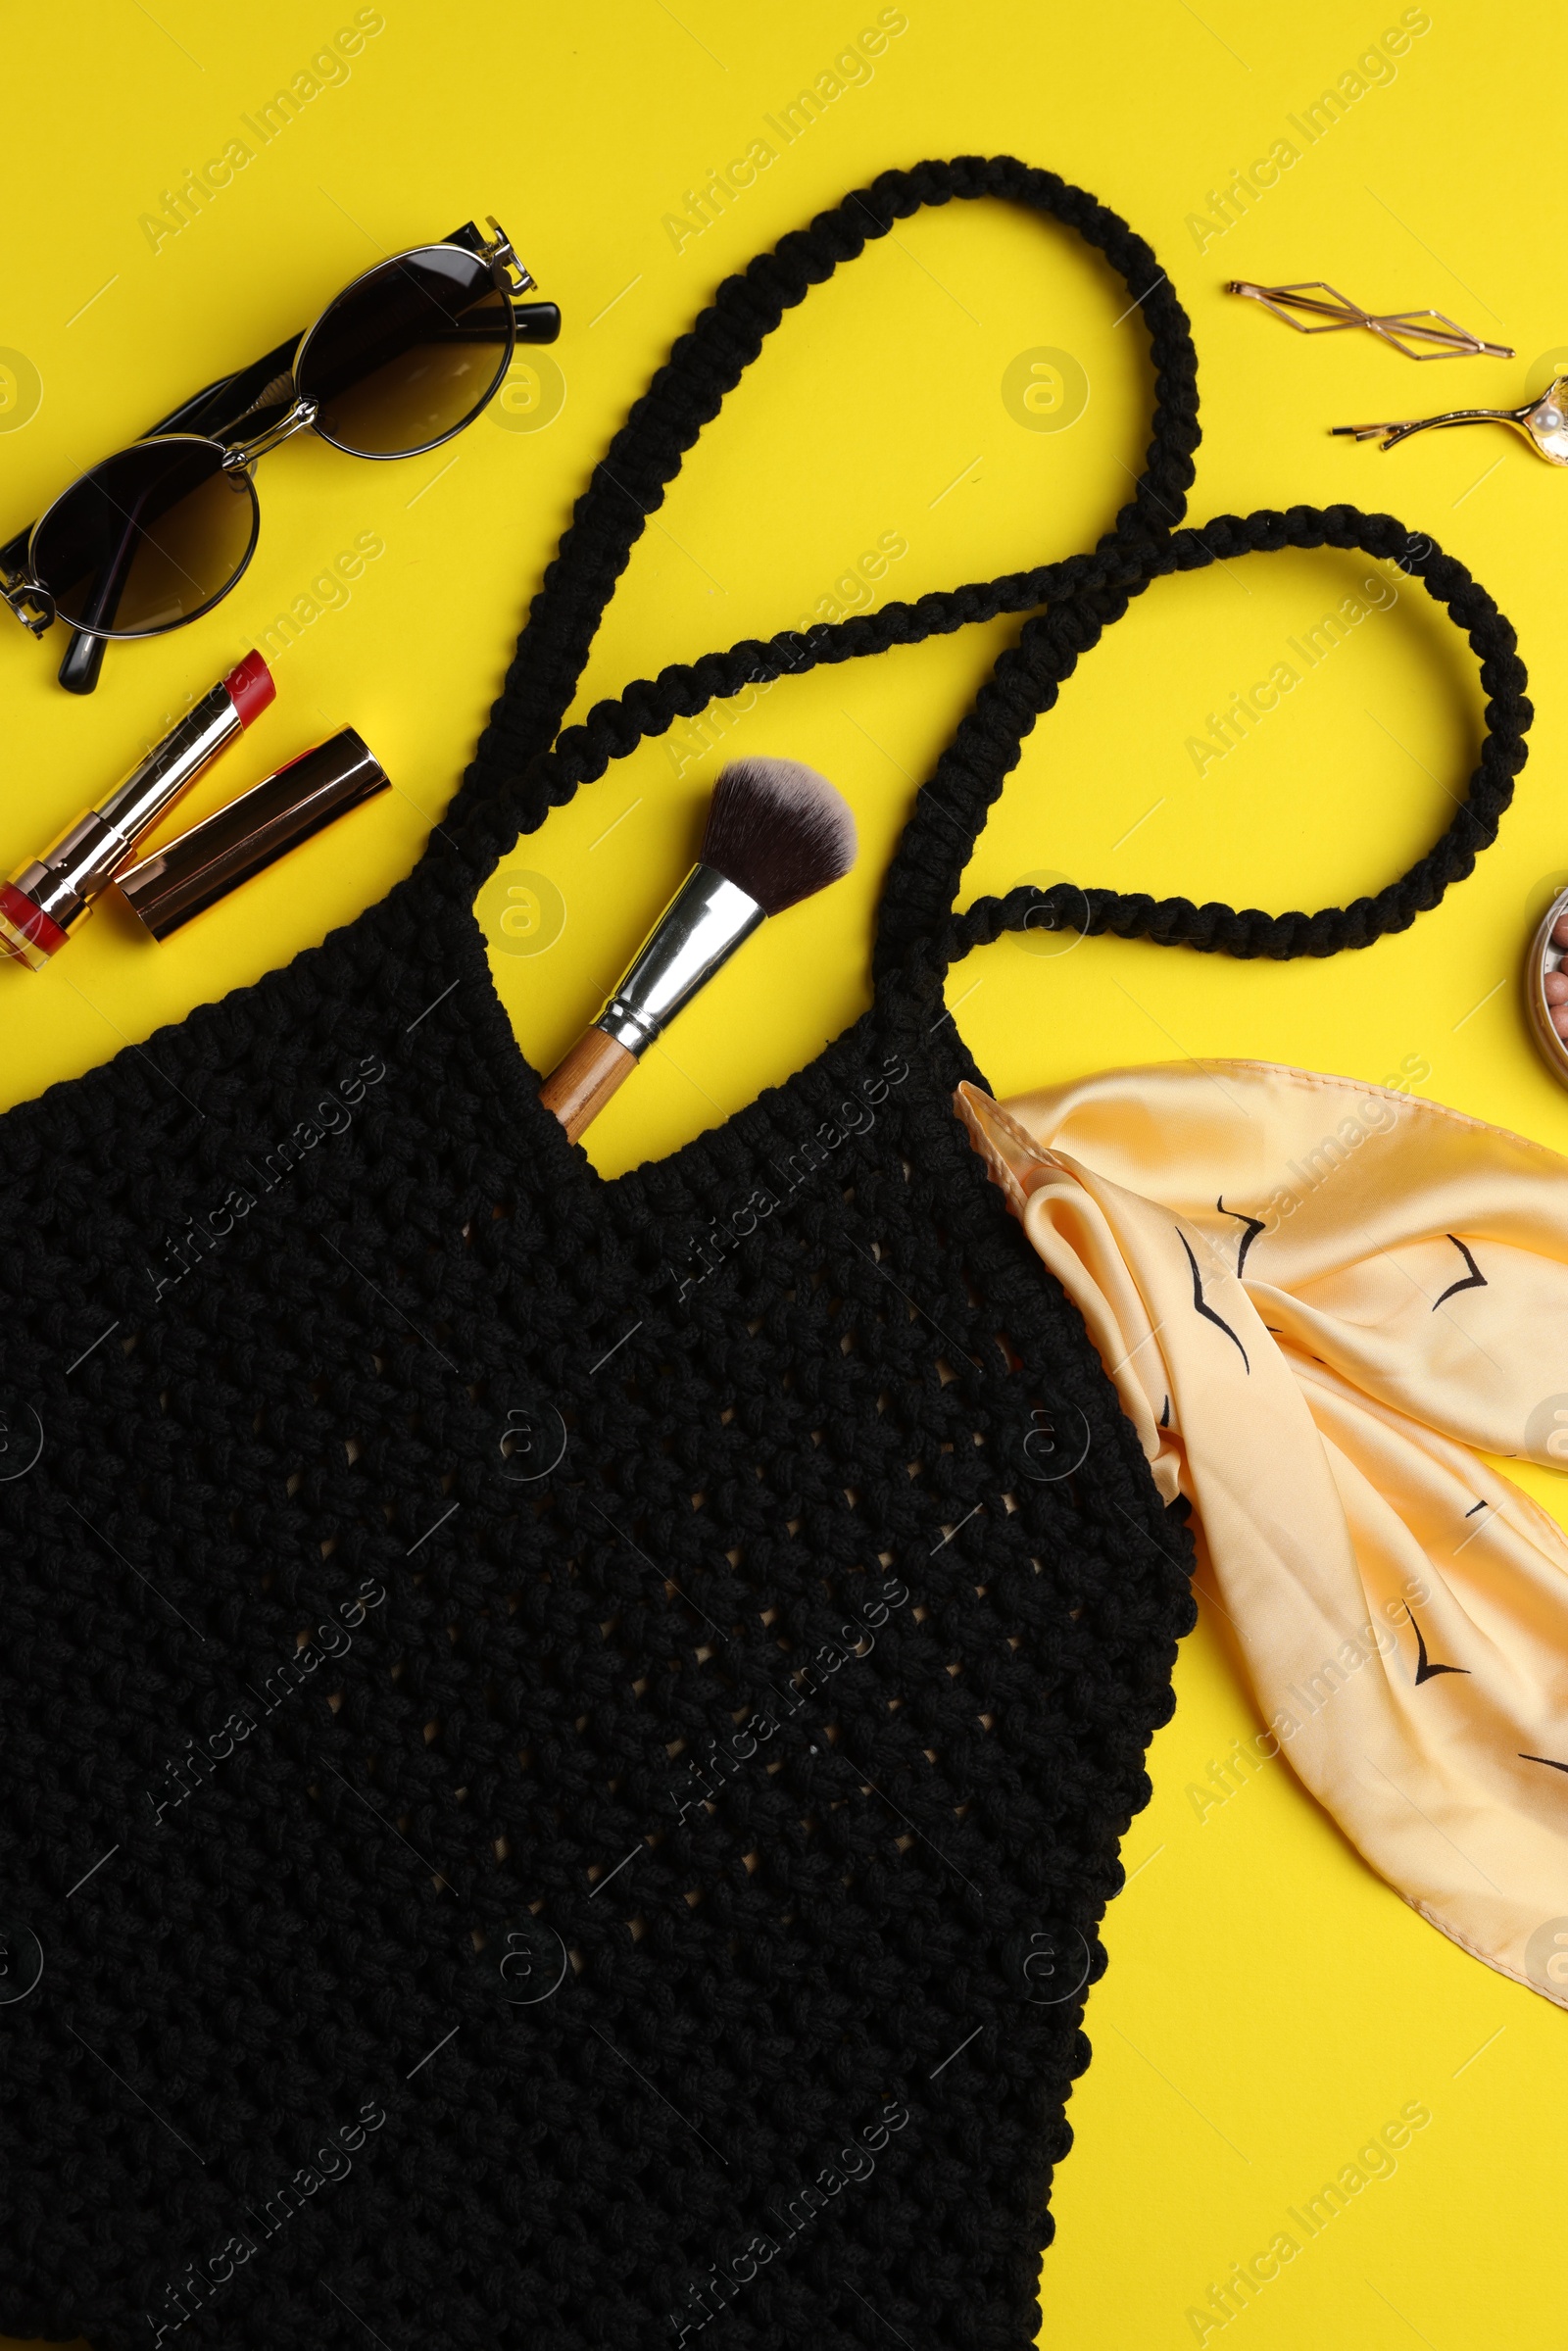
44,900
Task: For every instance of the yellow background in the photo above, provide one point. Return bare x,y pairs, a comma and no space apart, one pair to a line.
1270,2005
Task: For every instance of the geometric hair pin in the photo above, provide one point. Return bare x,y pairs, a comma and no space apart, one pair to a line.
1401,329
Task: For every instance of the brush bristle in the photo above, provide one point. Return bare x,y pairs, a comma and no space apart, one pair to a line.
778,831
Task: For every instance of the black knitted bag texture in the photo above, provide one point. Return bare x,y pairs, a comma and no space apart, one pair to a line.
564,1742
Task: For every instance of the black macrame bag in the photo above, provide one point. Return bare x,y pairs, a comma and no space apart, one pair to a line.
557,1781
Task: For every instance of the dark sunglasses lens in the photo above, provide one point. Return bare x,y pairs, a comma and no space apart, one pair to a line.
408,353
147,539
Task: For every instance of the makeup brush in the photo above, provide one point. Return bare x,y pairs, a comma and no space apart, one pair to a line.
777,832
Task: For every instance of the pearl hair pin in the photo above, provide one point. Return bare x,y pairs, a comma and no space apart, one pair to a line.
1543,421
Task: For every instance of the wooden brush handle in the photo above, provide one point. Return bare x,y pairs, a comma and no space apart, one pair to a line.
579,1088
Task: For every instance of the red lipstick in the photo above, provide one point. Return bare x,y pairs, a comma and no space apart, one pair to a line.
43,901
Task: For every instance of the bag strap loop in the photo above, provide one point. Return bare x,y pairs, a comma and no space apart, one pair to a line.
513,782
919,937
521,770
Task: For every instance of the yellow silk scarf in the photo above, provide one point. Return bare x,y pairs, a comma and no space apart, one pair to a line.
1316,1299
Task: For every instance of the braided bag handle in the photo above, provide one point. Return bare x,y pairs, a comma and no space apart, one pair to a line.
919,941
517,776
918,936
511,783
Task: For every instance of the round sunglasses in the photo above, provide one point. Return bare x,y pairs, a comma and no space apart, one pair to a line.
402,359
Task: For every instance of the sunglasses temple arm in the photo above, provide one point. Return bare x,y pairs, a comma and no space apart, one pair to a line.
213,411
537,322
531,322
83,658
84,655
80,663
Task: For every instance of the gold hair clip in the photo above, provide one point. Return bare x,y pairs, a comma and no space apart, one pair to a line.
1398,327
1543,421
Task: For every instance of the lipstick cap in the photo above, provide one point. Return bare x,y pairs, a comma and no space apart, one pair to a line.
194,871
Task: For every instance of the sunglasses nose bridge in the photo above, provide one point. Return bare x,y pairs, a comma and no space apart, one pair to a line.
242,455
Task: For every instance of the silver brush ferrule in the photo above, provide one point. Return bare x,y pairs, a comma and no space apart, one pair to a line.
699,930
